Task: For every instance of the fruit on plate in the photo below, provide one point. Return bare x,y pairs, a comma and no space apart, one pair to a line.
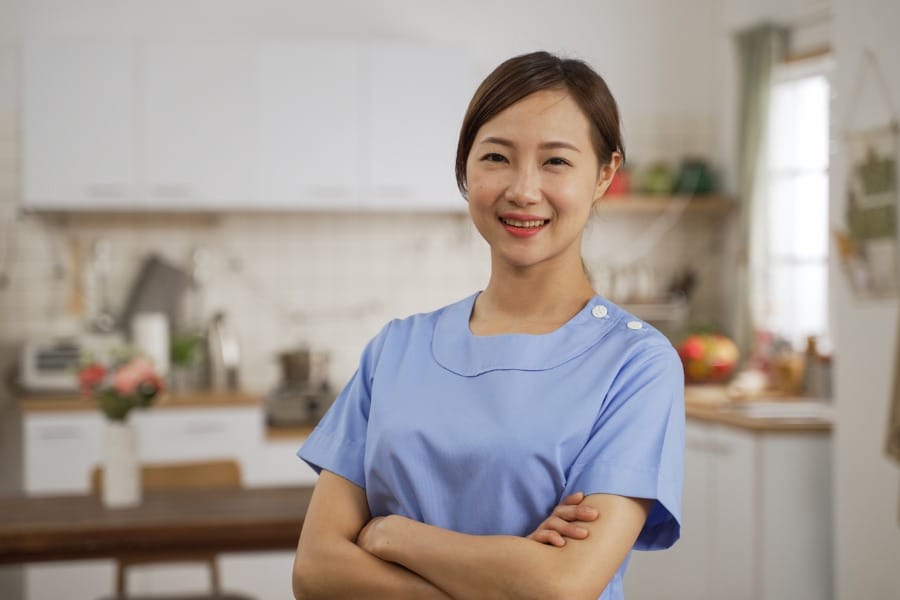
708,357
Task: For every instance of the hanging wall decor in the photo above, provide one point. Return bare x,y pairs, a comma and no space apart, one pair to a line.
868,244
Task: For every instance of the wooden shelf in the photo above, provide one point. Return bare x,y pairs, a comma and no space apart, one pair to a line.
646,203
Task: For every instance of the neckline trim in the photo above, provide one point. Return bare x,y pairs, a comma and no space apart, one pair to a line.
457,349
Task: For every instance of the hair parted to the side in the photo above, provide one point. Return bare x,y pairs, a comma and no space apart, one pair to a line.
521,76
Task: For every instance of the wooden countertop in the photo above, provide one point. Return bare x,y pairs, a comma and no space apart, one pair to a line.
166,401
166,521
712,404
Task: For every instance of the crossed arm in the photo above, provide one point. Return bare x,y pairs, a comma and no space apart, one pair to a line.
344,553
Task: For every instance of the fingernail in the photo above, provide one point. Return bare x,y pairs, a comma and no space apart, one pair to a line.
590,511
581,530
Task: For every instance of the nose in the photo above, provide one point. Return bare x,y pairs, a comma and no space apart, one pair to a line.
525,187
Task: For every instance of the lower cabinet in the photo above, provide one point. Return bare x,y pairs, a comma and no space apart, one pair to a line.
62,448
756,520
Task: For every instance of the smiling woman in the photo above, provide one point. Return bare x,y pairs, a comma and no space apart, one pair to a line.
522,441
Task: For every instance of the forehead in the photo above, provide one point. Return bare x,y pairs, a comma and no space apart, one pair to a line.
541,116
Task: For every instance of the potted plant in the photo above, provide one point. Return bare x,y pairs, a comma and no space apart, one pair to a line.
127,383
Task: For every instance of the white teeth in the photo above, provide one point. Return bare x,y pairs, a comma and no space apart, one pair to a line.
515,223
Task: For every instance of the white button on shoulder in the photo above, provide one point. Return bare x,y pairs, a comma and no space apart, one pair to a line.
599,311
635,325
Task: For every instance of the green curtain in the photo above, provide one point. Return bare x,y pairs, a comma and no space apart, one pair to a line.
760,48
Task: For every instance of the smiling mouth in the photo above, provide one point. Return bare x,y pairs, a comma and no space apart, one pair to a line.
524,224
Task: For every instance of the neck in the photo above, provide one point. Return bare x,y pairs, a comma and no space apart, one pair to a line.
554,290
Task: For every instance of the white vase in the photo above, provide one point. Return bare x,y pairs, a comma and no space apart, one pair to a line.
122,474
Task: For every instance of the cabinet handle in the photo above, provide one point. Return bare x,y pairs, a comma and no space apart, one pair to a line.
394,191
203,428
59,432
171,190
333,192
106,190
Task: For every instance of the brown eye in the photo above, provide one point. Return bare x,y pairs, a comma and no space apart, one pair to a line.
493,157
556,161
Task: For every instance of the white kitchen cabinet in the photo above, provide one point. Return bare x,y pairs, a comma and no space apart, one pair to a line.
61,448
310,125
756,520
169,125
417,97
78,119
60,451
198,115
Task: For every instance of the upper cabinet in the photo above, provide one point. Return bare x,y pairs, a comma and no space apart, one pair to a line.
219,126
198,123
78,121
417,100
310,121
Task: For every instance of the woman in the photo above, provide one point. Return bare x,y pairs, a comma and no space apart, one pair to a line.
442,460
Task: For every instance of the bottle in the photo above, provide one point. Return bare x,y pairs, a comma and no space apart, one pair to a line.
813,385
224,355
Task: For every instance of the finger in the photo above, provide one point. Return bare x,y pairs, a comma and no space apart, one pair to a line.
587,513
546,536
576,513
565,528
575,498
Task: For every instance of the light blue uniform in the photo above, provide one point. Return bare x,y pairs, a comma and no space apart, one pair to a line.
486,434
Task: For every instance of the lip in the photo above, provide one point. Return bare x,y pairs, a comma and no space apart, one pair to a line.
522,232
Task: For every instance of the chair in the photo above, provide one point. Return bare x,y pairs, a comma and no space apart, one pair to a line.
193,475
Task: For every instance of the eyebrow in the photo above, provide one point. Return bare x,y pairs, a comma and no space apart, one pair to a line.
544,146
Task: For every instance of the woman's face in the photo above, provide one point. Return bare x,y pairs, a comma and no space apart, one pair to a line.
532,177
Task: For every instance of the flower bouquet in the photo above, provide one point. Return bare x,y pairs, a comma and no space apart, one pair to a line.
129,382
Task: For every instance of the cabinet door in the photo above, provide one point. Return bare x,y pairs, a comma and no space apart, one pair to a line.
309,125
417,98
682,571
735,525
78,125
199,104
60,451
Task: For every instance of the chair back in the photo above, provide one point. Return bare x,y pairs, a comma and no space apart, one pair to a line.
185,475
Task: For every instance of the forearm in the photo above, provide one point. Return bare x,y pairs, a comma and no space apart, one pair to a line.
341,569
470,566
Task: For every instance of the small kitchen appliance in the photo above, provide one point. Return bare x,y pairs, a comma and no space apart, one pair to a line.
303,395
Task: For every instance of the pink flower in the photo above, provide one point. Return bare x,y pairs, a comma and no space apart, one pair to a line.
133,374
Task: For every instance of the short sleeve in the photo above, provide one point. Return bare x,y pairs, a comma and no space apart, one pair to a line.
338,443
636,447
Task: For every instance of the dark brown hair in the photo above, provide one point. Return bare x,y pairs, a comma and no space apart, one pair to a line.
524,75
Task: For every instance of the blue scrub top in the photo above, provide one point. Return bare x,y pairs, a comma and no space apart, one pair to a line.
486,434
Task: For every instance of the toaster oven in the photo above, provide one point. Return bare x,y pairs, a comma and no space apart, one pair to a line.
51,365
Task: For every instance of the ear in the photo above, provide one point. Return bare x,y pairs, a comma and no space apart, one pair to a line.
607,172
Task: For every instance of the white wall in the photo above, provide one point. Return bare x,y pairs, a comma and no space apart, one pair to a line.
867,484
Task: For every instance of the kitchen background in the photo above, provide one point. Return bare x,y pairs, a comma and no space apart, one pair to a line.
331,279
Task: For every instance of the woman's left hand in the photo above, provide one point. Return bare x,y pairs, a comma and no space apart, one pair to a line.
562,522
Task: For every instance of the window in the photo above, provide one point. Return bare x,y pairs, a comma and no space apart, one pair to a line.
795,205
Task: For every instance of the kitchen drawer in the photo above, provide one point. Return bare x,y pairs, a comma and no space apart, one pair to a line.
196,434
60,449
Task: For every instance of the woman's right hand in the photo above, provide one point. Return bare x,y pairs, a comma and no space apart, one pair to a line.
561,523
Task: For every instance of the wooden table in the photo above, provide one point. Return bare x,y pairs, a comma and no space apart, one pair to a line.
75,527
